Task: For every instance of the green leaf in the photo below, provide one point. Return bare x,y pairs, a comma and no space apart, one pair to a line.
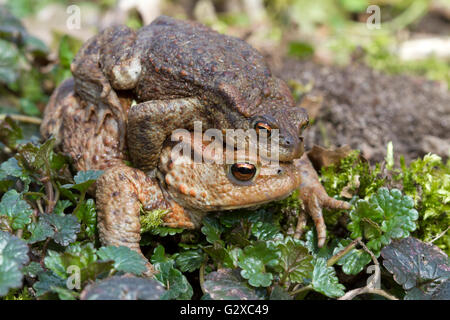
165,231
40,231
387,215
47,282
87,215
421,268
10,133
175,282
354,261
124,258
60,206
9,62
32,269
253,261
13,255
66,227
189,260
212,229
227,284
295,263
84,179
123,288
17,210
40,159
324,279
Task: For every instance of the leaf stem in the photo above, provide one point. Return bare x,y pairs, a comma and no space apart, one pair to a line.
302,289
201,275
22,118
343,252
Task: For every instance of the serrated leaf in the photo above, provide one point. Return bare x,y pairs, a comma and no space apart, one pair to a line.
40,231
253,261
189,260
17,210
66,227
295,263
227,284
421,268
212,229
60,206
87,215
84,179
13,255
354,261
32,269
47,281
175,282
123,288
324,280
387,215
124,258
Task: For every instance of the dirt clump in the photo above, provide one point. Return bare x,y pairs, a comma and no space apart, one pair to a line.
366,109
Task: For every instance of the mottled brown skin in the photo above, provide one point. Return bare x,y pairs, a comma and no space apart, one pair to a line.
188,190
178,72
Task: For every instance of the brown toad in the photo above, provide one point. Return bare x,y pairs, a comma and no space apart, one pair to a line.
180,72
186,189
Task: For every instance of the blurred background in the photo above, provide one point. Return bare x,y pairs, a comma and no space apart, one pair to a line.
369,72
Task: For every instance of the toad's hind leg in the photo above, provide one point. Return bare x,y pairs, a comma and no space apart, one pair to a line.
121,193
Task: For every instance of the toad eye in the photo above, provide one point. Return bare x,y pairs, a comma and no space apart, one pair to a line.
262,125
243,171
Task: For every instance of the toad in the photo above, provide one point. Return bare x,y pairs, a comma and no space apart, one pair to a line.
179,72
186,189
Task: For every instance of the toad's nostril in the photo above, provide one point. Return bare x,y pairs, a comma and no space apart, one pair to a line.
301,139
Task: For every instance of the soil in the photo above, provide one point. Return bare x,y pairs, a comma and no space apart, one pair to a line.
366,109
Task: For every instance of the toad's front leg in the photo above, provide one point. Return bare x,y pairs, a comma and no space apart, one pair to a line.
150,123
314,197
121,193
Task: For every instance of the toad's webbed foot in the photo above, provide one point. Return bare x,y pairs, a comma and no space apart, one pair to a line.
314,197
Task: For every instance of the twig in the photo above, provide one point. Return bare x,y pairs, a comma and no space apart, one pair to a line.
370,287
439,235
343,252
302,289
50,195
22,118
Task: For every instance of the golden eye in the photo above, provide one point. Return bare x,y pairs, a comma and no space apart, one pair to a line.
261,125
243,171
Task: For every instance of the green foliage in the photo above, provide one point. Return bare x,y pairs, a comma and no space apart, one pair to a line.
427,181
13,255
243,254
151,220
178,287
17,211
354,173
254,261
324,279
124,258
386,215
